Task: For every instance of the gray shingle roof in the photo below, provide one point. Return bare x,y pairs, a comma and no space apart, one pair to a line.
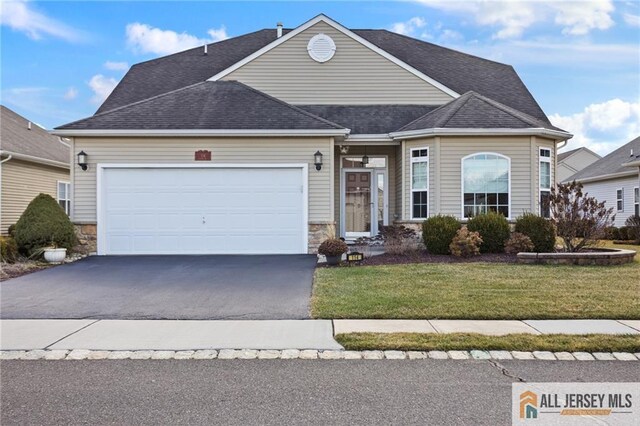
472,110
369,119
223,105
459,71
612,163
16,137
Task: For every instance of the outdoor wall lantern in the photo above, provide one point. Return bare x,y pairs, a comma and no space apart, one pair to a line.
317,158
365,160
82,160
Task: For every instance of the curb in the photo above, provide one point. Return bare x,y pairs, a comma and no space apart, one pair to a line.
84,354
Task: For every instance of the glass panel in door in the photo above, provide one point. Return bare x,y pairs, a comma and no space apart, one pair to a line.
358,203
380,204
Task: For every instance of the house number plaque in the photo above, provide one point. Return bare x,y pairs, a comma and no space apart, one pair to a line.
203,155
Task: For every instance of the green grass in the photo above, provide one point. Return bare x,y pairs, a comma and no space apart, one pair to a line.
478,291
469,341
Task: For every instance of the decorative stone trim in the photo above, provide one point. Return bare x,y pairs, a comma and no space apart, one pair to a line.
87,234
318,232
311,354
599,257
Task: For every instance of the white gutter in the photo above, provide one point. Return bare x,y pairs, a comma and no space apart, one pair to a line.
201,132
539,131
608,177
635,163
33,159
6,159
370,139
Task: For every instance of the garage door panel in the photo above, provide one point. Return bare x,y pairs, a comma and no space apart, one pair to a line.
200,211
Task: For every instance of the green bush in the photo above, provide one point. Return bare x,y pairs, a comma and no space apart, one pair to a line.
540,230
612,233
12,230
494,230
43,223
438,232
8,250
633,228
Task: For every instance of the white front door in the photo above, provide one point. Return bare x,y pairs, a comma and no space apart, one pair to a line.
202,211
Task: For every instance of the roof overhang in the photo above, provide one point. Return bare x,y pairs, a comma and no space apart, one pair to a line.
199,132
413,134
370,139
348,33
32,159
635,163
609,176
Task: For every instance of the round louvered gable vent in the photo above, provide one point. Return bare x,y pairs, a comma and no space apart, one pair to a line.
321,48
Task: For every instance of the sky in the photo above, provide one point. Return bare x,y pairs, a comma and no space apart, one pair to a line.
580,59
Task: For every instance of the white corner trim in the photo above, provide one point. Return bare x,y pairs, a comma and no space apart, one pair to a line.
100,168
412,134
203,132
323,18
38,160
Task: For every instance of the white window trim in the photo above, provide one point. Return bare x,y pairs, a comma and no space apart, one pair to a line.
636,200
462,218
621,199
411,190
58,199
540,188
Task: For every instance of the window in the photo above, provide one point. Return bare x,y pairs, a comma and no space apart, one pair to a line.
636,201
419,183
620,200
545,181
64,196
485,184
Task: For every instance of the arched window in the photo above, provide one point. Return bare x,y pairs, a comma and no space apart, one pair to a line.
486,184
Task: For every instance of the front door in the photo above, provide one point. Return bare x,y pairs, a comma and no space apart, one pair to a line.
358,203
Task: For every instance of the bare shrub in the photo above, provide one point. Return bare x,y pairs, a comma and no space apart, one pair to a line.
465,243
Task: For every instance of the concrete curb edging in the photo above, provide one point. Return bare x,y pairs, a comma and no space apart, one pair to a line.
208,354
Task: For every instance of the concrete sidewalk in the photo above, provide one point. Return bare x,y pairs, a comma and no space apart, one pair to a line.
176,335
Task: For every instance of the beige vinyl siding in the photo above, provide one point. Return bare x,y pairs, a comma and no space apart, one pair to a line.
21,182
372,151
224,151
445,170
355,75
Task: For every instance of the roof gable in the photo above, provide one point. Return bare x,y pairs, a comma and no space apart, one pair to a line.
612,164
16,138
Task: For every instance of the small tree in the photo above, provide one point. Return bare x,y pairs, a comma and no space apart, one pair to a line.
580,220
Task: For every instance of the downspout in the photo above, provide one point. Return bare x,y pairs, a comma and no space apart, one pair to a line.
1,163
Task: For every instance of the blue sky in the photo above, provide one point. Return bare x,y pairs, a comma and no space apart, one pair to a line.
580,59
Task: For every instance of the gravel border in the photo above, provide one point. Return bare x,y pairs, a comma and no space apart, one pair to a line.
312,354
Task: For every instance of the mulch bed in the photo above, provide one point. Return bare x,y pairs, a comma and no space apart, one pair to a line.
18,269
424,257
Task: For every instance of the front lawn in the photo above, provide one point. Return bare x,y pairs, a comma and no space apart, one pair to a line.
469,341
478,291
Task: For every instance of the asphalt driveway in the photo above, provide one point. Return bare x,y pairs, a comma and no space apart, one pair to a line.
165,287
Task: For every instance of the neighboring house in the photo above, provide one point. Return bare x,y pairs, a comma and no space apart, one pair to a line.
265,142
615,179
571,162
32,162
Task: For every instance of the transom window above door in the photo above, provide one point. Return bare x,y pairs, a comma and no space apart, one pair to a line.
356,162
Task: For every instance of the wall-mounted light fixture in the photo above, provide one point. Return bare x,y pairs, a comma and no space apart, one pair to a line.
365,158
82,160
317,160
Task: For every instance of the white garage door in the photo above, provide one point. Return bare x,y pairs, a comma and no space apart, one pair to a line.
202,211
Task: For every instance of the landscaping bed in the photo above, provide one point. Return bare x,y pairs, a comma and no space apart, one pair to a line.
424,257
471,341
18,269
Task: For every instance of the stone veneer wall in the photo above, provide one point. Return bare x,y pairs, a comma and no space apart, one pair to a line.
318,232
87,238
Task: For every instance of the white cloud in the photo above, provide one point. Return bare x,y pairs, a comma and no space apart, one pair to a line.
71,94
601,127
513,17
144,38
409,27
116,66
20,16
102,87
631,19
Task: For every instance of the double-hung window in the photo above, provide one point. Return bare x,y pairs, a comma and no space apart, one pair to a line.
419,183
64,196
620,199
545,181
636,201
485,184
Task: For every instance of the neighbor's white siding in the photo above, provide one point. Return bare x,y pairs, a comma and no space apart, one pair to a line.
355,75
181,150
605,191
